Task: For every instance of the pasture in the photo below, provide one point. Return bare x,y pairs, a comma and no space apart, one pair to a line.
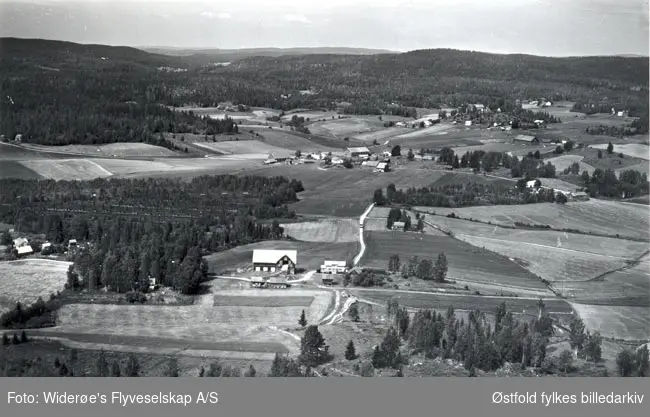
237,147
636,150
119,150
609,218
26,280
67,169
310,254
293,142
340,192
565,161
441,302
617,322
380,135
334,230
465,262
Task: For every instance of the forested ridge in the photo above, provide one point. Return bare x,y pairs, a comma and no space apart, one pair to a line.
59,92
148,228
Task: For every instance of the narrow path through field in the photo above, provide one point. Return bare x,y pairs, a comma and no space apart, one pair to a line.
362,219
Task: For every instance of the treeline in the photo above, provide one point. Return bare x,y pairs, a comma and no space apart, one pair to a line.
124,251
455,195
66,93
628,184
637,127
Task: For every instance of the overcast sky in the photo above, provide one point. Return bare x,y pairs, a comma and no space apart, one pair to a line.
540,27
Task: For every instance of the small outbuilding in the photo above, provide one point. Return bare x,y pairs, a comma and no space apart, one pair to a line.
531,140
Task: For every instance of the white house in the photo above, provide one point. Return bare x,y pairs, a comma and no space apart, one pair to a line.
400,124
398,225
337,161
333,267
24,250
531,183
468,123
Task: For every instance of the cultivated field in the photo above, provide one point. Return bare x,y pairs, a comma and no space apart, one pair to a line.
310,254
26,280
465,261
618,322
336,230
552,264
341,128
643,168
636,150
234,321
596,245
596,216
628,287
67,169
119,150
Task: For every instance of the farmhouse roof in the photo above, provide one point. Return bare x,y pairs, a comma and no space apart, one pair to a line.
370,163
334,263
21,241
525,138
23,250
362,149
382,165
398,224
272,256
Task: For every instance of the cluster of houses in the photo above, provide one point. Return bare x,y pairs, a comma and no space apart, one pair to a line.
280,263
536,185
22,246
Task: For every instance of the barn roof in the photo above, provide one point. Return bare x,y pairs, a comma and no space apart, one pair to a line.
21,241
362,149
271,256
525,138
381,165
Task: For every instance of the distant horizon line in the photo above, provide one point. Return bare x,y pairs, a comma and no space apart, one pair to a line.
378,50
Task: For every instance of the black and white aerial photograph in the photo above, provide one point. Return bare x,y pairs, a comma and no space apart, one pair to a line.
335,188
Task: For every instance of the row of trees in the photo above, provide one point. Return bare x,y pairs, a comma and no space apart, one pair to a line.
629,183
422,268
460,194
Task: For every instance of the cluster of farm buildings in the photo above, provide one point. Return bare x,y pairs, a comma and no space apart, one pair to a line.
273,266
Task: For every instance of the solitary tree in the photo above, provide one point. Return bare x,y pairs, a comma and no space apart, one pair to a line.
5,339
565,361
354,312
132,366
593,347
350,351
577,335
250,372
303,320
410,155
313,350
23,337
610,148
440,270
115,370
172,368
600,154
102,364
394,263
625,363
643,362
